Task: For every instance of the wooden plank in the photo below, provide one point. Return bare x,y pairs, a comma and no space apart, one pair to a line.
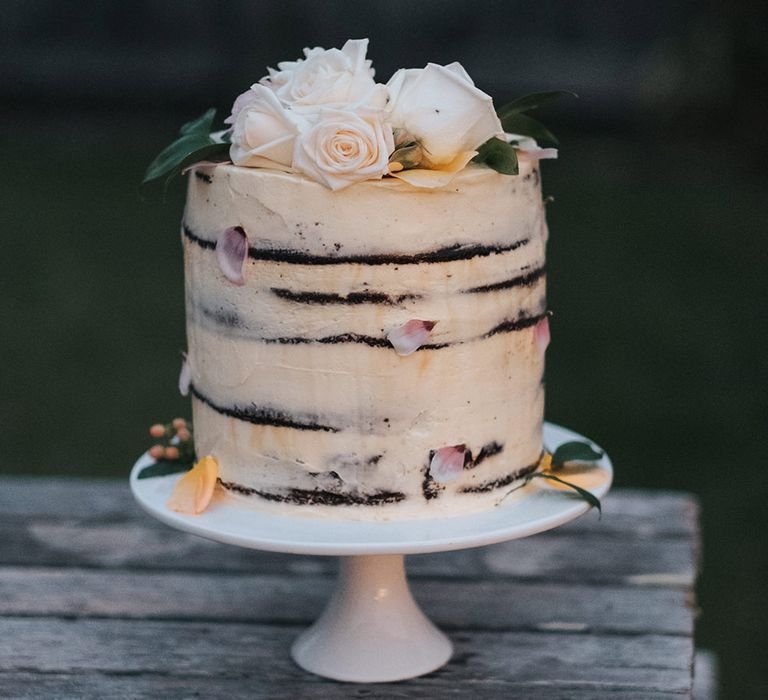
643,514
585,611
491,605
514,660
31,686
145,544
58,496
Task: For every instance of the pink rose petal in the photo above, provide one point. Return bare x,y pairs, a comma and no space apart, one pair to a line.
185,375
232,254
409,337
541,333
539,153
448,463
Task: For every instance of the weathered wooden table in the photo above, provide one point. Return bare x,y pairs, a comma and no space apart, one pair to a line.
98,600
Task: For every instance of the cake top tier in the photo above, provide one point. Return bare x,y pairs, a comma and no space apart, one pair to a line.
480,209
325,117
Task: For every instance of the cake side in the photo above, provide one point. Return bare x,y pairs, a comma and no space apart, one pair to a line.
296,390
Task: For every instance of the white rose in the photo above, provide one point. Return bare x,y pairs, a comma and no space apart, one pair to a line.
263,130
343,147
333,77
443,110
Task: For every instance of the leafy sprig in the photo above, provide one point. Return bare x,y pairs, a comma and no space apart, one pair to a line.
574,451
498,155
502,156
173,451
588,496
195,143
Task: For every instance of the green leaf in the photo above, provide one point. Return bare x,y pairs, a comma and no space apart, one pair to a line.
182,152
194,143
517,123
164,467
574,451
499,155
588,496
203,125
531,101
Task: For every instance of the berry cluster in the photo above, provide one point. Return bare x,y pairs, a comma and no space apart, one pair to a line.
175,442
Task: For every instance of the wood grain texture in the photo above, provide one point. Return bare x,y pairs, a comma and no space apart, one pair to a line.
97,600
108,686
492,605
146,546
193,649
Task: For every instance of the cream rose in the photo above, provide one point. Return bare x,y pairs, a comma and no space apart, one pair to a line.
333,77
263,131
443,110
343,147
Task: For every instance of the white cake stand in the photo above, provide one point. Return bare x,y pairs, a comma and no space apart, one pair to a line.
372,630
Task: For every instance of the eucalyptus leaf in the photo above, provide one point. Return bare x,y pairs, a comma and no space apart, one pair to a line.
194,144
532,101
499,155
526,126
589,497
164,467
574,451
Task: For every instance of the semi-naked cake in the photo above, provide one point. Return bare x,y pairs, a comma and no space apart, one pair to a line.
297,391
365,292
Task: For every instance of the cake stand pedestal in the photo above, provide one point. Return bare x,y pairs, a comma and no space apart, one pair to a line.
372,630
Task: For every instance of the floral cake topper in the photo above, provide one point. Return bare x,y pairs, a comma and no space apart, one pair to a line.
326,117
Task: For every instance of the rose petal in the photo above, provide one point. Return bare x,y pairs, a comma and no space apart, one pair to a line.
447,463
443,110
541,334
194,490
343,147
263,129
241,102
438,176
409,337
232,254
457,68
537,153
185,375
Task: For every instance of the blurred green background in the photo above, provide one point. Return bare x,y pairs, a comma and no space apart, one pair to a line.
657,256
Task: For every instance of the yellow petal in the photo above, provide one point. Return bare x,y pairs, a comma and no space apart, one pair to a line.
193,492
439,175
587,477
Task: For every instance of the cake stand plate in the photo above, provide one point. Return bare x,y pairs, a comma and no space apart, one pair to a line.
372,630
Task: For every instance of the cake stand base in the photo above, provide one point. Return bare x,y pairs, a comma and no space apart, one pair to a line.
372,630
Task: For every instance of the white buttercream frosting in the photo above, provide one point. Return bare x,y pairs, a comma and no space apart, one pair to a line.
299,396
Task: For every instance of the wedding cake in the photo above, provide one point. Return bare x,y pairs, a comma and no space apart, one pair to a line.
365,294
